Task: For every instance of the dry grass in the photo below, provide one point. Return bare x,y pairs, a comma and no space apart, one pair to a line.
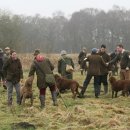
82,114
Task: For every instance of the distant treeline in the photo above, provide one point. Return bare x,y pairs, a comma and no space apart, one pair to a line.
87,27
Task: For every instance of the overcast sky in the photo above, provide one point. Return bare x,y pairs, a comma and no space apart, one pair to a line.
48,7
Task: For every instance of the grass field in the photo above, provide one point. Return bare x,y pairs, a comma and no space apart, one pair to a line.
81,114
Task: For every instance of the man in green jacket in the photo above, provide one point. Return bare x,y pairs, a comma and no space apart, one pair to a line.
43,67
62,62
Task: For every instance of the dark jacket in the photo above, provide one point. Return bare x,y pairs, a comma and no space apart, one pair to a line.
106,58
62,66
46,66
81,57
124,59
12,70
95,63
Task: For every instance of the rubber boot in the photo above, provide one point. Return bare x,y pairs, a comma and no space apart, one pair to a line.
42,100
54,98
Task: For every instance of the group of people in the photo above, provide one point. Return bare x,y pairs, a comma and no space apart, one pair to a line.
99,65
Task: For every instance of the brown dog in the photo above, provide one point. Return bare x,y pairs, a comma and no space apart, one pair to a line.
63,84
119,85
26,91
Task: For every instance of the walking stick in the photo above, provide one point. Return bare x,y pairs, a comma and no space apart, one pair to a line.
61,96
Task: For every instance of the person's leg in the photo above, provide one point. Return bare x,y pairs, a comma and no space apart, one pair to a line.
96,85
100,82
9,92
42,97
85,84
17,88
54,94
105,84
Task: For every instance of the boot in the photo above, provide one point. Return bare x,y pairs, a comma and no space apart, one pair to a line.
42,100
96,89
81,94
99,89
105,89
54,98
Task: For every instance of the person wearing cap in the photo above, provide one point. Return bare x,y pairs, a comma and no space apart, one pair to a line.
1,66
43,67
104,71
6,54
36,52
13,74
95,62
81,57
62,63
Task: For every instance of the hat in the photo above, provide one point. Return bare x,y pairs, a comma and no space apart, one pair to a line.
63,52
36,52
94,50
7,48
1,51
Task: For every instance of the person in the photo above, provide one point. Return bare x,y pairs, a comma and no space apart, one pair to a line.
13,73
114,66
7,54
36,52
43,67
1,67
62,63
124,57
104,69
95,62
81,57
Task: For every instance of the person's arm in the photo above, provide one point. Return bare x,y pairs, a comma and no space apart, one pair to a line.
59,66
128,57
72,63
113,61
21,70
32,70
5,67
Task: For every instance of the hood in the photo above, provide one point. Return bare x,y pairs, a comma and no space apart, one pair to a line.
39,58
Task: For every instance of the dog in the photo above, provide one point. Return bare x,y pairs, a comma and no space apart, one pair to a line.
119,85
26,91
63,84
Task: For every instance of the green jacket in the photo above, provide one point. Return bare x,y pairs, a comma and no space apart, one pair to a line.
62,66
46,66
12,70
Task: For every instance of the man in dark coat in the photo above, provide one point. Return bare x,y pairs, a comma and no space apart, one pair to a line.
62,62
94,69
104,70
43,67
13,73
124,57
81,57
